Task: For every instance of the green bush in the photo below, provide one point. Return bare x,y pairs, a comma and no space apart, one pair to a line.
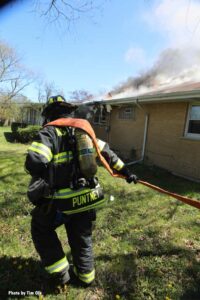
28,134
16,125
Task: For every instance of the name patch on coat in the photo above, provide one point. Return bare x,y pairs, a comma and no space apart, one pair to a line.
85,199
82,200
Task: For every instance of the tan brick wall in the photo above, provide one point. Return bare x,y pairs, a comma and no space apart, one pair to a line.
101,132
126,135
166,145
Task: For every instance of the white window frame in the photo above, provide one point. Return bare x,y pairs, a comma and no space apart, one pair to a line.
188,134
126,113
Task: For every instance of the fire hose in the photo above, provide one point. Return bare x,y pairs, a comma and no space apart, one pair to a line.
85,125
184,199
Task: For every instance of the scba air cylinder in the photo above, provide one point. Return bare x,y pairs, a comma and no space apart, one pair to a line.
86,154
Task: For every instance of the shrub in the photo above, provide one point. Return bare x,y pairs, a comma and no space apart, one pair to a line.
16,125
28,134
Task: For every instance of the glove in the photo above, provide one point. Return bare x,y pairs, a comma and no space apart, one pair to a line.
132,178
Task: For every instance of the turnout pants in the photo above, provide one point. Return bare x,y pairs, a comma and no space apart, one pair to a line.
79,233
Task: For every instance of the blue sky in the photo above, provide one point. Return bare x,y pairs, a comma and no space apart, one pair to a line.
103,47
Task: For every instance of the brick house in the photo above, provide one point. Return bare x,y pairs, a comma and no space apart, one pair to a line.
31,113
161,127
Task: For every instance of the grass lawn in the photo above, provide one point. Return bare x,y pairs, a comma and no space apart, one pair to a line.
146,245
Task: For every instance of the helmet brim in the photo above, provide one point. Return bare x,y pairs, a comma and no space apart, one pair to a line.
70,107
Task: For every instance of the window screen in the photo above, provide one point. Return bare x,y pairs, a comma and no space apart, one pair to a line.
126,113
194,120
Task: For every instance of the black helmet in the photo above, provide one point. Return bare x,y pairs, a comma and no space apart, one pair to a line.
57,105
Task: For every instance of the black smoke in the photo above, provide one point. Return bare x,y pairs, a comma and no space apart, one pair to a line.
171,63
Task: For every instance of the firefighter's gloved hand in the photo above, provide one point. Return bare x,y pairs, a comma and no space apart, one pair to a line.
132,178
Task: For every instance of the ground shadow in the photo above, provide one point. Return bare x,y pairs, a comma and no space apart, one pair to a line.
190,280
19,275
21,278
11,162
165,179
118,275
154,253
172,210
10,137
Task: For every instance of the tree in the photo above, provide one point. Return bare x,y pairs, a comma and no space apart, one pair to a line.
13,79
47,89
80,95
68,10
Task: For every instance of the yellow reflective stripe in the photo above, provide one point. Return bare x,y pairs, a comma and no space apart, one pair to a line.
63,157
101,144
58,266
59,132
60,99
41,149
55,99
50,100
96,205
68,193
85,277
118,165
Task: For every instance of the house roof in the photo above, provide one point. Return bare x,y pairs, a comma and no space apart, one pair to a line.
38,105
184,92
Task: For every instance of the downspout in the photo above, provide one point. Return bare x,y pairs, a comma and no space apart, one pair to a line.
144,136
108,125
108,128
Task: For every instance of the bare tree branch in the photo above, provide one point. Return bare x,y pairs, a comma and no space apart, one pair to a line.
67,10
80,95
47,89
13,79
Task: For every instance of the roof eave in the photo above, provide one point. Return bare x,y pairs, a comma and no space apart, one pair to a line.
183,96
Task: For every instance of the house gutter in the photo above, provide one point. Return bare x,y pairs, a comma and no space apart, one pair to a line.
144,135
165,97
183,96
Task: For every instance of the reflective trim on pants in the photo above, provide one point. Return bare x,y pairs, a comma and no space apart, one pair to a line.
85,277
58,266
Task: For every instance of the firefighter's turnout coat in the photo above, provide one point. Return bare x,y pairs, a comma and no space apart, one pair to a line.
50,161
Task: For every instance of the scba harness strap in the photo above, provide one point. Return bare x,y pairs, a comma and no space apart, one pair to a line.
84,125
72,201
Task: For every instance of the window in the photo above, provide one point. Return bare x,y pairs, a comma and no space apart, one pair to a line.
32,116
100,116
193,121
126,113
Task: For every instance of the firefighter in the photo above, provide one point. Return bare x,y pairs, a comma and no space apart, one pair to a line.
63,194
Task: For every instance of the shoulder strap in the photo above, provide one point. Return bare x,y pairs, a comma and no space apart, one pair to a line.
84,125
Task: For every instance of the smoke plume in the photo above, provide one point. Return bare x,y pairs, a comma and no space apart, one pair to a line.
174,66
